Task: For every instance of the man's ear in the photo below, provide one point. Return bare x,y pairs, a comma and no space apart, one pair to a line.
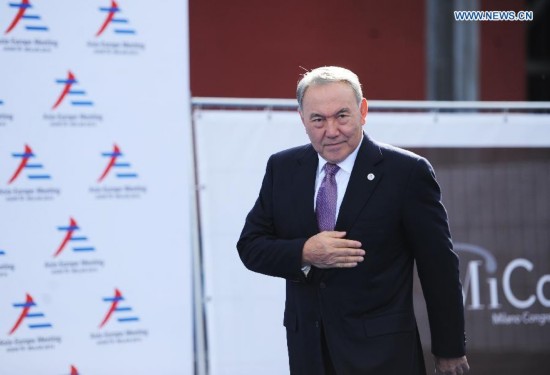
364,108
301,116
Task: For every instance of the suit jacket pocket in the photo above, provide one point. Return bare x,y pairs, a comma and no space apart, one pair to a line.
388,324
371,233
290,321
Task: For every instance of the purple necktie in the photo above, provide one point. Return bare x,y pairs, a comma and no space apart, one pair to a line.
326,199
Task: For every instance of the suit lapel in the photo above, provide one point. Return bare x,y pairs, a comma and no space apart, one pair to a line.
365,176
304,182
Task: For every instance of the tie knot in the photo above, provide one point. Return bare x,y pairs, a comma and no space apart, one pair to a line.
331,169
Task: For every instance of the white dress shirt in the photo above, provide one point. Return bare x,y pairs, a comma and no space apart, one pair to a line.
342,177
342,180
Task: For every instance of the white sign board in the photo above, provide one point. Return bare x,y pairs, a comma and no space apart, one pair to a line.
95,248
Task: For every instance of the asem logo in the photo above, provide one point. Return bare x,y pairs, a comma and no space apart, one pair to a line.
74,370
114,308
69,91
114,163
120,24
72,237
36,318
34,169
32,22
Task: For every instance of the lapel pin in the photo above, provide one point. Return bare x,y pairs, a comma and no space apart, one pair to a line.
370,176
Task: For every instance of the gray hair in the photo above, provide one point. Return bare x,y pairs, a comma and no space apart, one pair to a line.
328,74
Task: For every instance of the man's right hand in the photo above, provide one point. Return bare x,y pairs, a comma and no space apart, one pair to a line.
332,250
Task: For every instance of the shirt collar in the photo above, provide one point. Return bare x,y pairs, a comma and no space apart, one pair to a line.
347,164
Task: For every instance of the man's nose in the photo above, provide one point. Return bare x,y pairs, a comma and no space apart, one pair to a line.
332,127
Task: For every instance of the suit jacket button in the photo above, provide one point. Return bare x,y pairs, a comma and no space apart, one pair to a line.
316,324
322,285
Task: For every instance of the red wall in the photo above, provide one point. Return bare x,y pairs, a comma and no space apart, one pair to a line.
247,48
503,55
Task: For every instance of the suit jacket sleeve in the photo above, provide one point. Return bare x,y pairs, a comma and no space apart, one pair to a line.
427,231
262,249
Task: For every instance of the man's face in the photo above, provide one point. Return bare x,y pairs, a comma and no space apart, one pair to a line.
333,119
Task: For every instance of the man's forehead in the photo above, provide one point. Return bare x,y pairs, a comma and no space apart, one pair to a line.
328,105
333,113
329,92
341,86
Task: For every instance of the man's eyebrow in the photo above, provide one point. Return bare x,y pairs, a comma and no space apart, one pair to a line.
344,110
314,114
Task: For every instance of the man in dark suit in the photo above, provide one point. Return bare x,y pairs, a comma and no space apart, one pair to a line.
343,220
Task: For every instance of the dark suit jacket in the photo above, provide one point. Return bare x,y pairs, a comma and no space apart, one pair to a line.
366,311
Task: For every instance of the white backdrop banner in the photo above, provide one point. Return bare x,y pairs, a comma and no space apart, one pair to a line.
244,309
95,159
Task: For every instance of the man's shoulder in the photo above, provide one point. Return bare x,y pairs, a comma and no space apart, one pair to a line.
396,153
403,159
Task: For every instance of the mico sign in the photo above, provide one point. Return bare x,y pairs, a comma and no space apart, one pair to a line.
473,286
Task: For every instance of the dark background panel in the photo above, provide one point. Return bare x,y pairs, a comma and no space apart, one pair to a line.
499,200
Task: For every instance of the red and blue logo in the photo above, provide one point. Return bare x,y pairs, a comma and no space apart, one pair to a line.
34,170
36,319
73,239
78,96
74,370
122,169
124,313
113,17
31,21
2,252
